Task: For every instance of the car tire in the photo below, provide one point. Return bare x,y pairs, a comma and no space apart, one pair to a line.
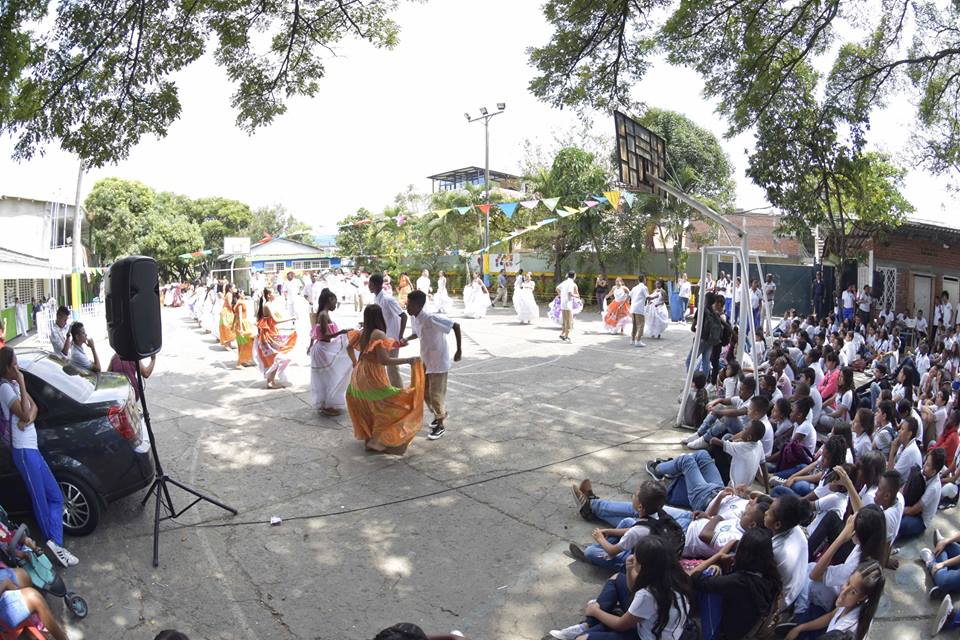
81,506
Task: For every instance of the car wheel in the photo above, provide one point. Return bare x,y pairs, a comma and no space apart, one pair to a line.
81,506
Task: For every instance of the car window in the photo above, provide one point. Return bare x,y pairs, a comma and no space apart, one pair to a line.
61,377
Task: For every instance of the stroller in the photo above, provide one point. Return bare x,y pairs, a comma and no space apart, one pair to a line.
39,568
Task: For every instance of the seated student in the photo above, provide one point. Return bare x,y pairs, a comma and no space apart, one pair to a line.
726,420
696,477
950,478
612,546
706,535
17,604
783,520
728,382
922,327
844,403
653,594
757,409
803,481
806,389
885,420
695,408
921,495
798,452
782,427
921,359
856,606
904,453
862,427
738,604
848,353
934,415
783,380
811,360
78,355
867,531
768,387
831,377
943,565
869,474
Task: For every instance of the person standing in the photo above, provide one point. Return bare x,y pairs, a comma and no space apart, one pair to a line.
501,288
524,302
423,283
21,316
849,299
330,364
656,317
755,307
684,291
311,291
638,302
404,287
568,292
129,369
243,330
19,410
618,310
396,322
769,292
432,331
60,338
819,289
271,352
291,291
442,299
227,333
865,304
600,289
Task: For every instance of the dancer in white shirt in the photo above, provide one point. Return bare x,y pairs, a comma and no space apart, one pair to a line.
638,303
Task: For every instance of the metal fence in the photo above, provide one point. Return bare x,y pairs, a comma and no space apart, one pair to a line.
91,313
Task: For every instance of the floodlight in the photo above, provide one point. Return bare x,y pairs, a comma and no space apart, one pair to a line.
501,105
467,116
483,111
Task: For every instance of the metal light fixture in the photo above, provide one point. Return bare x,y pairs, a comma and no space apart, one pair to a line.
467,116
501,106
483,111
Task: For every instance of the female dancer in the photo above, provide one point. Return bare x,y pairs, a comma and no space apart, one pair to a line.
618,311
423,283
227,332
330,365
384,417
442,299
656,311
244,331
477,301
271,352
404,289
600,288
524,301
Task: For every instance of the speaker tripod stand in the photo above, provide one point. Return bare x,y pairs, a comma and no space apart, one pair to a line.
159,487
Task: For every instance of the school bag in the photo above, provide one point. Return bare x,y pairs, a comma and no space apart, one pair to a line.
665,528
6,426
793,454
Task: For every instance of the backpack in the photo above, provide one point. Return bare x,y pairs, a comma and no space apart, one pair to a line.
914,487
792,455
665,528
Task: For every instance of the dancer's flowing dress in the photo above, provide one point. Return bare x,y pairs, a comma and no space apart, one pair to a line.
272,348
245,334
618,311
475,301
403,291
177,297
656,314
330,368
525,303
554,312
227,333
441,298
378,410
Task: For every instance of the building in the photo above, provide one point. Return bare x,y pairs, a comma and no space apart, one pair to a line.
279,254
460,178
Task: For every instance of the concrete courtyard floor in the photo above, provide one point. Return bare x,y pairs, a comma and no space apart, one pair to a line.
469,532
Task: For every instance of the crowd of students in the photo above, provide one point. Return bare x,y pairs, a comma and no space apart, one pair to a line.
796,492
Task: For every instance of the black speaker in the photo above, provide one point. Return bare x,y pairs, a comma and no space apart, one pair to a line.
133,307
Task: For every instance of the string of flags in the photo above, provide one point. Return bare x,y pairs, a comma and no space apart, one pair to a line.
612,198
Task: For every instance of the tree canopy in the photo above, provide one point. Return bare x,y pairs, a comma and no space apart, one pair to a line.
98,76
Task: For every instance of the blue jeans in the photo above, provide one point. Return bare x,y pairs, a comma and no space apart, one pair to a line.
704,354
847,314
45,494
799,488
911,527
613,513
874,394
727,305
598,557
701,479
948,579
711,613
714,427
614,595
786,473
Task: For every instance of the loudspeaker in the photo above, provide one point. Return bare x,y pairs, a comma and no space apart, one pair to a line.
133,307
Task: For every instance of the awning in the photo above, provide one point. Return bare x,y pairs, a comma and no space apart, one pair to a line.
20,266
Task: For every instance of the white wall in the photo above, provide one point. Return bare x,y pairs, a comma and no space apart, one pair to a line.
26,226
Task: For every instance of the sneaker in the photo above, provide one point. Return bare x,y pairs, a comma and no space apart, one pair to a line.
935,593
437,432
652,470
943,614
640,343
570,633
937,537
776,481
61,555
577,552
698,444
927,557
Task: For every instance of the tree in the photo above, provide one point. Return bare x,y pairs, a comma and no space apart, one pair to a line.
274,221
96,77
748,52
219,218
118,215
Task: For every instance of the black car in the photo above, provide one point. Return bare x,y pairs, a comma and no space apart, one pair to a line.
90,431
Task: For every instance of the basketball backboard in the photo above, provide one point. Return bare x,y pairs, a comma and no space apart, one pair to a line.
236,246
641,154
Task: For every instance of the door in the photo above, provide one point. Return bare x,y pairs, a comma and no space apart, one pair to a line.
922,294
952,286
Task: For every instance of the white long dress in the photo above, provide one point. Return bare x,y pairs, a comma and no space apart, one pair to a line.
475,301
423,284
441,298
330,369
525,303
656,314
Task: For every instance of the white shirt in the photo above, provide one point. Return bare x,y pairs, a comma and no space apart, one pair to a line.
391,313
809,435
848,300
769,289
848,353
732,507
58,336
432,331
790,552
638,298
767,440
862,444
423,284
930,499
817,375
836,575
922,324
947,313
80,358
908,458
921,362
865,301
745,460
894,515
725,531
291,288
685,289
817,409
826,502
565,290
845,620
20,439
644,609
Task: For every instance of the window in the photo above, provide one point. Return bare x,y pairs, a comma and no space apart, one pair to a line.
25,290
310,265
9,292
275,267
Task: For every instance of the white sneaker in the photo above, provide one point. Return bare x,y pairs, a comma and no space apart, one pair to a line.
698,443
640,343
946,608
570,633
927,556
63,556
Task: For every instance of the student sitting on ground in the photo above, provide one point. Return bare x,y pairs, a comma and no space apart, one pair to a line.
798,451
921,495
695,407
653,594
856,606
885,432
943,564
725,413
783,519
708,534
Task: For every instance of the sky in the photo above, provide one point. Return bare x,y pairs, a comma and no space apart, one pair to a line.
386,119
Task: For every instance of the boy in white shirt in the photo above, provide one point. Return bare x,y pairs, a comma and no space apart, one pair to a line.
849,298
432,331
919,515
904,453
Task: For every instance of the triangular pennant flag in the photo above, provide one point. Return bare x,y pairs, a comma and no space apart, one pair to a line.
613,197
484,208
547,221
569,211
508,208
442,213
600,199
590,203
582,209
463,210
529,204
551,203
629,197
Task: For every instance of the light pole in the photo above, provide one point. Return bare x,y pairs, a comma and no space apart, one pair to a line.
486,116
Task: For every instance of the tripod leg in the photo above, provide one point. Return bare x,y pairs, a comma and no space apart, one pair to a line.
156,527
201,496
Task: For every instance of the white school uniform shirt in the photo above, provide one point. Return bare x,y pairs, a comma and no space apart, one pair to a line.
817,373
862,445
685,289
58,336
836,575
930,499
644,609
947,313
817,409
809,435
745,460
790,552
865,301
848,300
432,331
767,440
638,298
845,620
754,299
769,289
907,458
423,284
827,501
922,363
20,439
391,313
732,507
725,531
848,353
922,324
940,419
565,290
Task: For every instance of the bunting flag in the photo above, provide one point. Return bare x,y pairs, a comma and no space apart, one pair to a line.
484,208
629,197
400,220
529,204
551,203
613,197
508,208
590,203
442,213
567,211
463,210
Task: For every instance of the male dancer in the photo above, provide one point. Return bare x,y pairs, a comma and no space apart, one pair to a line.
568,292
396,321
638,302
